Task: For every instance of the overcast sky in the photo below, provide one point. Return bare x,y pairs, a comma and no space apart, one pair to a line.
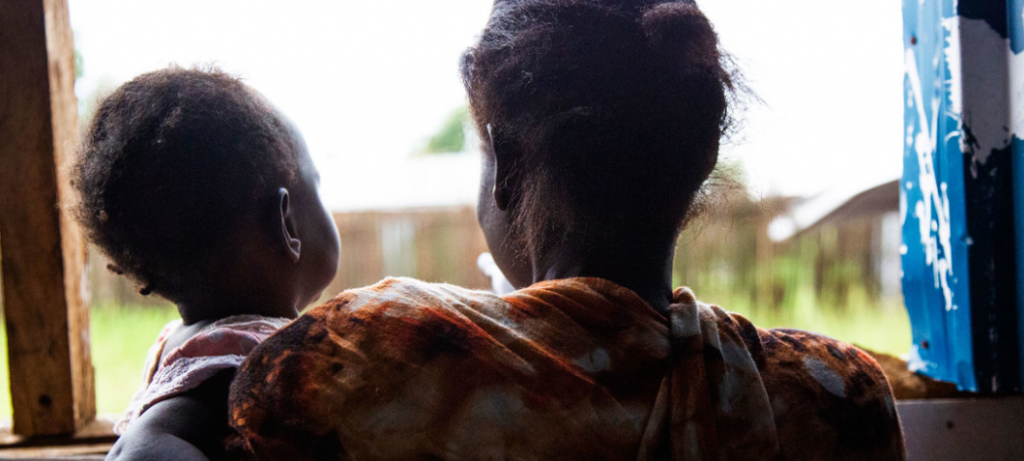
368,82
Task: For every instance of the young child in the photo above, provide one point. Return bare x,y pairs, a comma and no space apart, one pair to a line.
197,188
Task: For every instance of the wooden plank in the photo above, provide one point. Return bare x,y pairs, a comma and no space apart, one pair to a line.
46,309
99,432
959,429
76,453
64,108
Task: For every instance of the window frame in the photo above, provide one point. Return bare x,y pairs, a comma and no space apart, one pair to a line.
46,306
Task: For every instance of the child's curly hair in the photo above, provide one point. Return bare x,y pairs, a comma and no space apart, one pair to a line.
172,164
615,108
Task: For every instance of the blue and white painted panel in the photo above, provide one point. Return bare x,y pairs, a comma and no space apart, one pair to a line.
1015,37
959,252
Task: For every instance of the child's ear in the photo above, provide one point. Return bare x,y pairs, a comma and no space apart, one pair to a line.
289,237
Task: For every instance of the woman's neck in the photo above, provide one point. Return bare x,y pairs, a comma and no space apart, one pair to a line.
647,273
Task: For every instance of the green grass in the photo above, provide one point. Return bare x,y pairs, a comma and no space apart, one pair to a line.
122,336
883,328
120,340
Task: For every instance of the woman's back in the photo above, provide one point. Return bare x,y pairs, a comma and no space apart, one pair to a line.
601,122
569,369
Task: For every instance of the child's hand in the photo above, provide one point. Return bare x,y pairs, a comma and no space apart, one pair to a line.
190,426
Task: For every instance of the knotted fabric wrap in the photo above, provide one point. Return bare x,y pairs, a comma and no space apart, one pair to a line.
713,393
574,369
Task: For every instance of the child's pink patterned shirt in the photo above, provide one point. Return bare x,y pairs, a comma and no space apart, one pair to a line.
221,345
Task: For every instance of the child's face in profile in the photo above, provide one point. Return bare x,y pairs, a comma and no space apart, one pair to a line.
319,235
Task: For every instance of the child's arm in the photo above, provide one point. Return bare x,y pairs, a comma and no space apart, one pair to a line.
189,426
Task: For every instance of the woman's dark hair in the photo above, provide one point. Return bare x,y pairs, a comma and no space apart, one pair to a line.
614,110
172,164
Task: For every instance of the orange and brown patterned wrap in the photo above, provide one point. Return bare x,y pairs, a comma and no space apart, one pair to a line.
575,369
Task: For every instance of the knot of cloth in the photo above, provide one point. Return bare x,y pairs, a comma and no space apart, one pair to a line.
712,405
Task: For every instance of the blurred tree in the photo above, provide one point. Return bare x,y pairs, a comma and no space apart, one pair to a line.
79,66
452,135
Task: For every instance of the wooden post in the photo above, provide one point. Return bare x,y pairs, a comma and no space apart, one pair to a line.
46,307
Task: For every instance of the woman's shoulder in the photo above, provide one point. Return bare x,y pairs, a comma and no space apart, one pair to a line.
395,319
798,358
401,296
830,399
812,362
802,362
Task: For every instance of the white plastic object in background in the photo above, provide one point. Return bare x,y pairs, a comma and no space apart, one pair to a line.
499,284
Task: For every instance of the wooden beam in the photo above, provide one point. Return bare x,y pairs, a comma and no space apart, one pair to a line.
98,432
43,252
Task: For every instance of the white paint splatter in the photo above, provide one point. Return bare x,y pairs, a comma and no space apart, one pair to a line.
933,205
915,364
952,52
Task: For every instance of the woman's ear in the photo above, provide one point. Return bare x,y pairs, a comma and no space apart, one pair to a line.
506,173
289,237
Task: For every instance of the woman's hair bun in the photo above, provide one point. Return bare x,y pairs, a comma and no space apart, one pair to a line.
679,29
